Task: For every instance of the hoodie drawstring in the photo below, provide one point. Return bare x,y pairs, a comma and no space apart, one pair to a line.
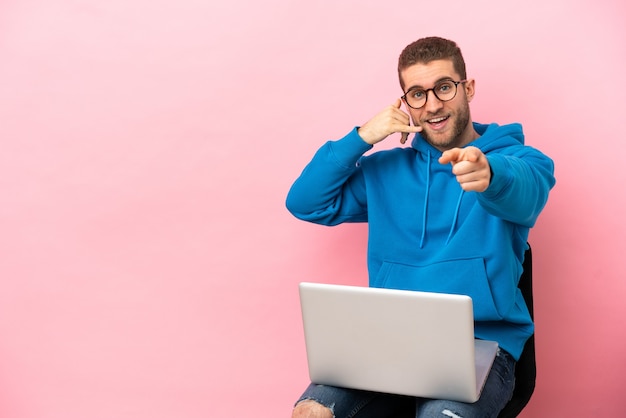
426,200
456,216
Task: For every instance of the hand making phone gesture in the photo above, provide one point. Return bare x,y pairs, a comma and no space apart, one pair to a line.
390,120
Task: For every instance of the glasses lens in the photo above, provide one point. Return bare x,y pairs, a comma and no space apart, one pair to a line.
446,90
416,98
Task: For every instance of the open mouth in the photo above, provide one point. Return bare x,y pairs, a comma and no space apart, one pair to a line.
439,122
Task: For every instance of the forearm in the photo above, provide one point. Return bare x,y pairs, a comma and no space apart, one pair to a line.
519,187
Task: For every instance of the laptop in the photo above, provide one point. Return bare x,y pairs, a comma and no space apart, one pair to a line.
394,341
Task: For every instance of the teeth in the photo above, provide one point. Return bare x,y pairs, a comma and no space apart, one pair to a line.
437,120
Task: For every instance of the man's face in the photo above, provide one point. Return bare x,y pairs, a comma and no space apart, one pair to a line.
448,124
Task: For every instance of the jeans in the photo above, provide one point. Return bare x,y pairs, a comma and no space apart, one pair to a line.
352,403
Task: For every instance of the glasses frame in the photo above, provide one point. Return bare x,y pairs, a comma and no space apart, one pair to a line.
456,89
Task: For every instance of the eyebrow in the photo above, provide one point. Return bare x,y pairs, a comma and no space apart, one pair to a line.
417,86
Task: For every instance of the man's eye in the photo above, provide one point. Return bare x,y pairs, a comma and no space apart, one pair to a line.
444,87
417,94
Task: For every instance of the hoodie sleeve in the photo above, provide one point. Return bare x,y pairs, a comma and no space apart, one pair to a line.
520,184
331,189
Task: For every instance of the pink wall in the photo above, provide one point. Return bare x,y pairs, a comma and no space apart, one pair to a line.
148,266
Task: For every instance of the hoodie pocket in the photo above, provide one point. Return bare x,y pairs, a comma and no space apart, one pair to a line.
461,277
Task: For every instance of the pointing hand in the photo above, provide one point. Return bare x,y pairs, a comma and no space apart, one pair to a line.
470,166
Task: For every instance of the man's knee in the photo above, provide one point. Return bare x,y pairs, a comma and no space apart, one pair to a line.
311,409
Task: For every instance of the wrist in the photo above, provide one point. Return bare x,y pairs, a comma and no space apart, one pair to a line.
365,135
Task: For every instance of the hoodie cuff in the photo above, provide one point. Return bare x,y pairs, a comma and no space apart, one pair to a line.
350,148
500,176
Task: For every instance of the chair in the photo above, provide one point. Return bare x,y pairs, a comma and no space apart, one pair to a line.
525,369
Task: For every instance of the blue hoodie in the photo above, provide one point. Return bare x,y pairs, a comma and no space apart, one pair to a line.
425,232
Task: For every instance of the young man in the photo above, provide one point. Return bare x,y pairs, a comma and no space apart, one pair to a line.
453,210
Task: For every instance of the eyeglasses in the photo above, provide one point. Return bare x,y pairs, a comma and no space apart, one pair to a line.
444,91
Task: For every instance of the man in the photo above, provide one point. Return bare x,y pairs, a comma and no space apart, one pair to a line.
453,210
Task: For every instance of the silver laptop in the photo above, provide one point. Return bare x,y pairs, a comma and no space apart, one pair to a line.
394,341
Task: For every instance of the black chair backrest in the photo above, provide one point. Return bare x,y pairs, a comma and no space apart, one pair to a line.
525,369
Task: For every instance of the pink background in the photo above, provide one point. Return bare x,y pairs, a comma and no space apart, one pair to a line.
148,266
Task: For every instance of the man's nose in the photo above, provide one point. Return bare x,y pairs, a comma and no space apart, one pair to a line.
432,102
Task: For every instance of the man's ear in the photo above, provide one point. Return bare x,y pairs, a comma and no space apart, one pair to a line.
470,89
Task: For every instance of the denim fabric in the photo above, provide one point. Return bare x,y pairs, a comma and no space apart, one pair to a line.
351,403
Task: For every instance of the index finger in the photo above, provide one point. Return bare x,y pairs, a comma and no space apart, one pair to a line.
450,156
455,155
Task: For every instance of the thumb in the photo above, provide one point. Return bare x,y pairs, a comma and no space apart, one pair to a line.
398,103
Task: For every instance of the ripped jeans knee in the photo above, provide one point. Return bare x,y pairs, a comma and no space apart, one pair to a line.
313,407
350,403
